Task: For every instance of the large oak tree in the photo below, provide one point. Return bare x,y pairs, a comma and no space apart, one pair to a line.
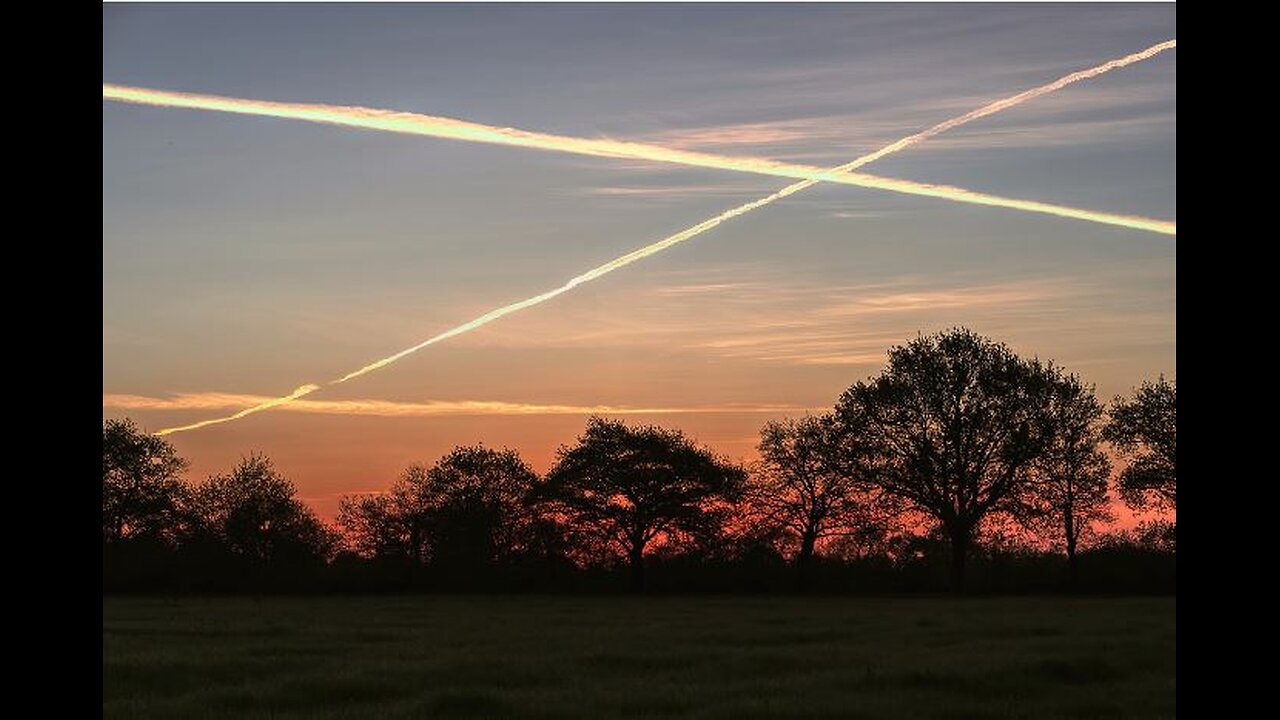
951,427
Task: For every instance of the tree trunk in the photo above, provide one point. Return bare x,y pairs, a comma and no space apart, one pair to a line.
804,558
636,557
415,544
1069,525
959,554
415,555
1071,562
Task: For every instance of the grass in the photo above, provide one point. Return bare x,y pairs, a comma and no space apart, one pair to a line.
659,657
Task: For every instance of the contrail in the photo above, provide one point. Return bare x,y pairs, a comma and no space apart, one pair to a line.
659,246
264,405
451,128
431,408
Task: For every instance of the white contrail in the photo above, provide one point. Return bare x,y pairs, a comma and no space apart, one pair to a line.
659,246
431,408
454,129
300,391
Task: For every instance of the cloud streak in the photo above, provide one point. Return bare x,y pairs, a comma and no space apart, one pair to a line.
751,313
1103,115
388,408
797,324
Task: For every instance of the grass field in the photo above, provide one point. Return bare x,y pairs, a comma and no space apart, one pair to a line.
576,657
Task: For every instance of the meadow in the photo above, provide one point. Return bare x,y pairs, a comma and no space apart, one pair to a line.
638,657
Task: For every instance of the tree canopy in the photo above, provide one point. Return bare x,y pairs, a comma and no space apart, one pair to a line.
143,495
799,485
254,513
466,510
951,426
629,486
1068,489
1145,429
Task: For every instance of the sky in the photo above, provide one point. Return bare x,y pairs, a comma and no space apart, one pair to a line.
244,256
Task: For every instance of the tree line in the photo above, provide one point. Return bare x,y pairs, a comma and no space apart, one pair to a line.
958,449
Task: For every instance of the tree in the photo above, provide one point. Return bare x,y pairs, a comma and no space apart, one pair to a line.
467,510
797,485
1068,489
143,495
472,505
1144,429
951,427
253,513
374,526
408,512
628,486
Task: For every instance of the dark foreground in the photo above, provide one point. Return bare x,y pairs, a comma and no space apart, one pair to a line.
700,657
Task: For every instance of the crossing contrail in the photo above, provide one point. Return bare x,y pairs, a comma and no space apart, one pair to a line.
663,244
451,128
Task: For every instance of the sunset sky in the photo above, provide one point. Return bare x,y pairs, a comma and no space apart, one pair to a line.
244,256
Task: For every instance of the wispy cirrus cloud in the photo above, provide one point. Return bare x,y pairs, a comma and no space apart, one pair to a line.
755,315
757,133
675,191
855,325
1084,117
701,288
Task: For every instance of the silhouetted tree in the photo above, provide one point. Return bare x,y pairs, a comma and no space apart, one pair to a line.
375,527
628,486
951,426
473,504
1160,535
1144,429
1068,488
796,484
410,511
143,495
253,513
466,510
